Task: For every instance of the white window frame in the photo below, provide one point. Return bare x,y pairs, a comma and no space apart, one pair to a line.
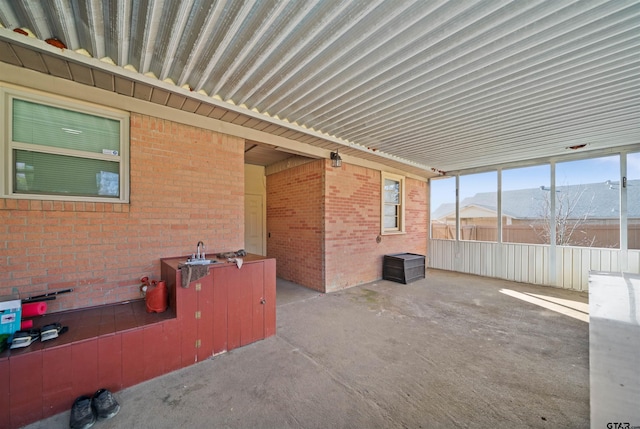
9,93
401,218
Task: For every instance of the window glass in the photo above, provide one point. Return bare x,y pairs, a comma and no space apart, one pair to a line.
443,208
588,202
392,200
64,150
526,204
633,199
61,128
478,207
43,173
391,204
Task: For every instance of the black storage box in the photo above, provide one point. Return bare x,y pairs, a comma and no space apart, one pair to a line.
403,267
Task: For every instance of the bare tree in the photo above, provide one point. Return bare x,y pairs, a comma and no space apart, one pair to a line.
569,223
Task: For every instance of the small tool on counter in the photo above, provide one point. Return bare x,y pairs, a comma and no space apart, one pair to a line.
49,296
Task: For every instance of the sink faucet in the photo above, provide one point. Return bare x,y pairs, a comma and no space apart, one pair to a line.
200,254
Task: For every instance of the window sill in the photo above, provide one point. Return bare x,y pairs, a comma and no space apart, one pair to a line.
60,206
394,233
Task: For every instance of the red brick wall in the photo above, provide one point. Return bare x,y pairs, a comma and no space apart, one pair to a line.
352,224
187,184
295,206
320,216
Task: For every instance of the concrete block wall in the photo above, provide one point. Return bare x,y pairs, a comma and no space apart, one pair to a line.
187,184
295,207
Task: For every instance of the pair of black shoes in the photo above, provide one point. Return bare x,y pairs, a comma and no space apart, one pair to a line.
86,411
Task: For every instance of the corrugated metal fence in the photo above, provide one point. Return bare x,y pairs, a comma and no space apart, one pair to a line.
530,263
597,235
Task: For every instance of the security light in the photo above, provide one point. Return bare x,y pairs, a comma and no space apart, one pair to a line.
336,161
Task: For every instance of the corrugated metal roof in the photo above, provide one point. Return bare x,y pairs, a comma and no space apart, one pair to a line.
450,84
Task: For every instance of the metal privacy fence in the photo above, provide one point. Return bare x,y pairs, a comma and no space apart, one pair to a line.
587,235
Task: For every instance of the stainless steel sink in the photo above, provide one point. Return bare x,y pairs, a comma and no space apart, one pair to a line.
200,261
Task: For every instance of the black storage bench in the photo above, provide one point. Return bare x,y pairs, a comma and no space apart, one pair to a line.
403,267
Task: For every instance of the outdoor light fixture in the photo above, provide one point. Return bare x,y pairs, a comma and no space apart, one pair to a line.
336,161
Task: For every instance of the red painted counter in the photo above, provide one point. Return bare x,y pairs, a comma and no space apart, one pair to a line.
229,308
120,345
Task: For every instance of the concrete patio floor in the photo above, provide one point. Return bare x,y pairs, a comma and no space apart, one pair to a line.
449,351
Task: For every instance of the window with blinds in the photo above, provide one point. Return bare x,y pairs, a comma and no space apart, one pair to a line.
58,150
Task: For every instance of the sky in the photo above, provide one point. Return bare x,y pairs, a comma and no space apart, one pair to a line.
595,170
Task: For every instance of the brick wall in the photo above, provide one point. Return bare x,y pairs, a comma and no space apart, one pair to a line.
320,216
352,225
187,184
295,206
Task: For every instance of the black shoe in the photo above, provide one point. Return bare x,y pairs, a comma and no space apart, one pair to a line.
82,415
104,404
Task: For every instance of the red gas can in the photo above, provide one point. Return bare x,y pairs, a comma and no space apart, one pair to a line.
156,297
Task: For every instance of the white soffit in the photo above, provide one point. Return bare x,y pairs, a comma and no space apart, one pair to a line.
449,85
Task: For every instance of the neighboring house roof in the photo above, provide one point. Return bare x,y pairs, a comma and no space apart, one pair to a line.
596,200
443,211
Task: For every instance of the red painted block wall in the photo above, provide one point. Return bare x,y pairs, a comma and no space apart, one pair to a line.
187,184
